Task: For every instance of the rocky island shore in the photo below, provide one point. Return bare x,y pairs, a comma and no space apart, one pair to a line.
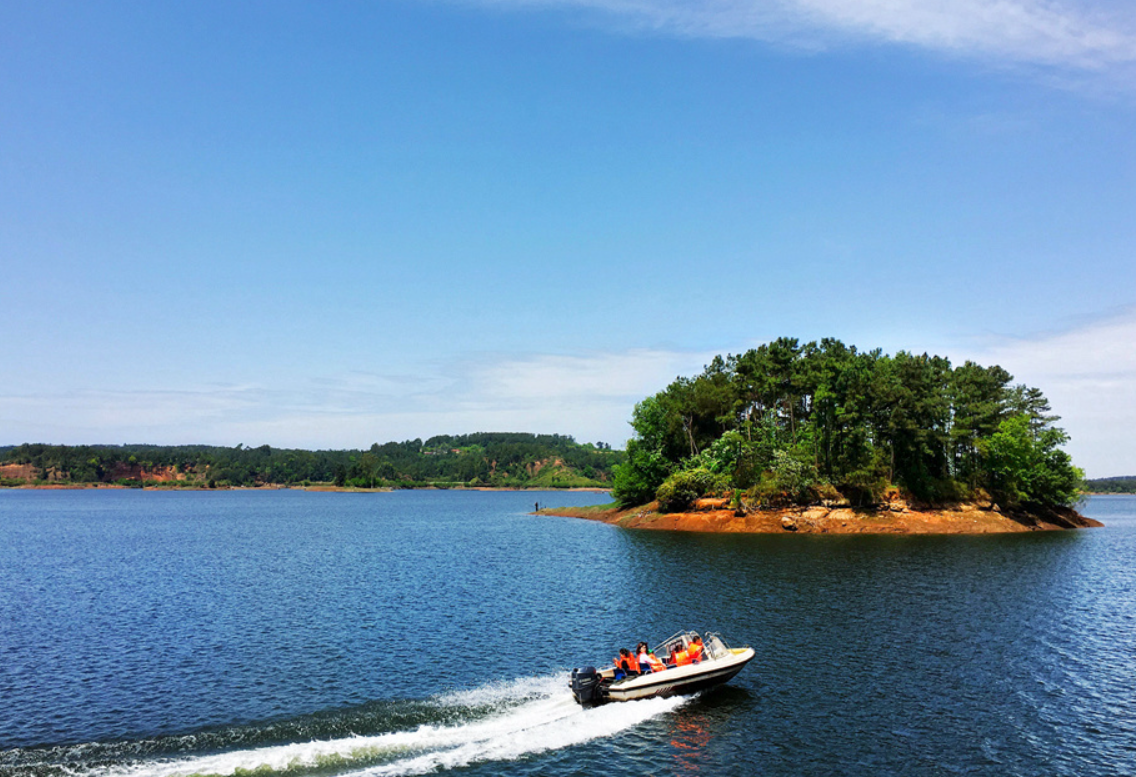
896,516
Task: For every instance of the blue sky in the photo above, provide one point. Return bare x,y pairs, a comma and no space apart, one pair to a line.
328,224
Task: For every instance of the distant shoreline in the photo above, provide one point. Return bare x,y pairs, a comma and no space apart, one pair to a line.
713,516
282,487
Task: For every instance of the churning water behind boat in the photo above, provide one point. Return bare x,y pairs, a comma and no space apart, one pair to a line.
499,722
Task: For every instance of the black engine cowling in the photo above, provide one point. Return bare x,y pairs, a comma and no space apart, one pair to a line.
587,686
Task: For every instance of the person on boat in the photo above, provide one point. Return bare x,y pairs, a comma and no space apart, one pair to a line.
694,650
642,657
647,661
680,656
626,664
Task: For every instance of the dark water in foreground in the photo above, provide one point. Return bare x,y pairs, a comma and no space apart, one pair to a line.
149,633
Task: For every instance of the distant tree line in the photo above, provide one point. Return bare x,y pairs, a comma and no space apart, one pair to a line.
1117,485
483,459
797,423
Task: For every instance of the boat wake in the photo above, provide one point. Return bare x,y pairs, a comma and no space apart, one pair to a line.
496,722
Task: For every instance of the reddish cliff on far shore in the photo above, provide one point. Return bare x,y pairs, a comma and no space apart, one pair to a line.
897,517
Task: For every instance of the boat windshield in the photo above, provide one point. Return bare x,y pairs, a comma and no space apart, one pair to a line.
713,646
669,647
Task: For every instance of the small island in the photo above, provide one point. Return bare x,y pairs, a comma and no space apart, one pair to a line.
824,438
895,517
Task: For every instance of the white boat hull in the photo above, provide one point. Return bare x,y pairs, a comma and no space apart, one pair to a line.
680,679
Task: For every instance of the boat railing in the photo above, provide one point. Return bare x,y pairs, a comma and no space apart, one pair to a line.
671,645
713,646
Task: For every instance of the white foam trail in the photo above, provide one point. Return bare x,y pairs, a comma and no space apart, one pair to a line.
546,718
505,690
525,732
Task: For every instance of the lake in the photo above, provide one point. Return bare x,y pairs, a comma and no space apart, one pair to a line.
424,632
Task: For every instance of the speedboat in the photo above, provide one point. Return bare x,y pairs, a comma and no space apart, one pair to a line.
718,663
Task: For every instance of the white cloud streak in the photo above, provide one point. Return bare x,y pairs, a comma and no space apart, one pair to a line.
1081,35
589,396
1089,375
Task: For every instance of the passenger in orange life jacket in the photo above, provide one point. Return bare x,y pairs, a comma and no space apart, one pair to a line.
647,660
625,664
694,650
680,656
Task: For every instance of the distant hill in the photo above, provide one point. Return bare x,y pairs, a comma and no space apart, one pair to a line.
1124,484
496,459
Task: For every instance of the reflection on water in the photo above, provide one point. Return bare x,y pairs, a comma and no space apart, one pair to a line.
689,737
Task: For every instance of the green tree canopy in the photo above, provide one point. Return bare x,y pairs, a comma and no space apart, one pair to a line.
494,458
799,418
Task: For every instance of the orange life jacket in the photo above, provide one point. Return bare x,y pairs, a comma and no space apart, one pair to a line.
681,657
694,652
655,664
629,665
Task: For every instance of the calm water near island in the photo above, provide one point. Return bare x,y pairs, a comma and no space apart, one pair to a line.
155,633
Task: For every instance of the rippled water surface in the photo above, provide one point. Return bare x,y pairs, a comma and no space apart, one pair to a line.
151,633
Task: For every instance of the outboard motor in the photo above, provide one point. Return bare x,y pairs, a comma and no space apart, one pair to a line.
586,686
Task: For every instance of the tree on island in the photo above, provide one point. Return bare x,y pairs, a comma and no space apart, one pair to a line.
790,423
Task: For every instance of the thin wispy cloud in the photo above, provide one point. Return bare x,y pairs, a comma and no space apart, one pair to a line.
1088,374
1023,30
590,396
554,377
1079,35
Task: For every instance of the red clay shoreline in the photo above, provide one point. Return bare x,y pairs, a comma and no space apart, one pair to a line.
713,516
